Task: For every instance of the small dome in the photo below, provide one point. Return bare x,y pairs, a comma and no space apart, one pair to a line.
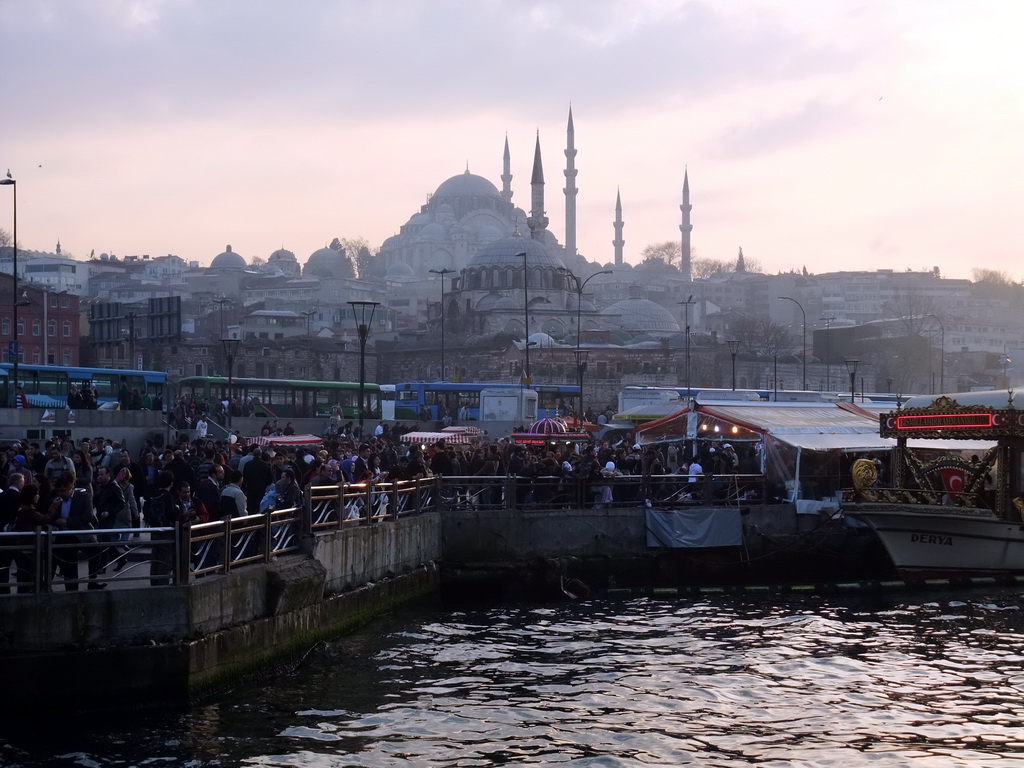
228,260
400,269
433,229
281,255
508,252
542,340
642,315
549,426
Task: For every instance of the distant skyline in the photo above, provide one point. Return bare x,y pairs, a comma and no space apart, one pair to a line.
831,136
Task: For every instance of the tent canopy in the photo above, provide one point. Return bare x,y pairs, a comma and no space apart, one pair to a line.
284,440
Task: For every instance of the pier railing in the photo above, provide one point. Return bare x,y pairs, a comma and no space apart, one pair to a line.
47,558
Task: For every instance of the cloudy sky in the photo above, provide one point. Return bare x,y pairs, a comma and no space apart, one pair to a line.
831,135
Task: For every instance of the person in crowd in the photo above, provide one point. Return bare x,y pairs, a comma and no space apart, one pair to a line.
76,512
160,513
232,499
210,488
58,464
257,475
10,501
108,499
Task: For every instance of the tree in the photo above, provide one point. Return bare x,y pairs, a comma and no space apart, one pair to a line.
704,268
762,337
357,250
5,238
668,252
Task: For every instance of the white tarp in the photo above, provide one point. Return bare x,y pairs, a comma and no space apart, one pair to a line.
694,528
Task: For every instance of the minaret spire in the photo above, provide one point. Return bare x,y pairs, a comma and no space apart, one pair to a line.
570,188
537,221
686,228
618,242
506,174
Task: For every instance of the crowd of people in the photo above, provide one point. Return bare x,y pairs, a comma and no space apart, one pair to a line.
100,485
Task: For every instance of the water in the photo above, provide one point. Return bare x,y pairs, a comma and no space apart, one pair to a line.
925,680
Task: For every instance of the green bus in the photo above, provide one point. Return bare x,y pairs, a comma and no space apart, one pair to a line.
286,398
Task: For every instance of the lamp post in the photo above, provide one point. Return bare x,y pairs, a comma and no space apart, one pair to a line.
309,343
230,351
734,346
527,381
580,285
803,347
1004,360
442,272
828,357
689,301
363,311
851,367
14,352
942,354
581,368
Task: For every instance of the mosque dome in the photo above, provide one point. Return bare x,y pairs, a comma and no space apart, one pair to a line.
325,262
508,252
433,229
400,269
542,341
281,254
638,315
228,260
464,185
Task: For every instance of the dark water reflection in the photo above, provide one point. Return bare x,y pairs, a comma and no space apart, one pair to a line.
921,680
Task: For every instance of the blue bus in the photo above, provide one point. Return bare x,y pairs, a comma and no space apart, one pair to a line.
47,386
428,400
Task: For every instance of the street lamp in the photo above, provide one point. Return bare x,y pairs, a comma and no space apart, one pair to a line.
828,357
734,346
230,351
363,311
581,368
527,381
942,354
1005,361
851,366
309,343
442,272
689,301
13,353
580,285
803,348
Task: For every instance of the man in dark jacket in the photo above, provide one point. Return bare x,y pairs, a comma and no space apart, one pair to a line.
256,477
76,510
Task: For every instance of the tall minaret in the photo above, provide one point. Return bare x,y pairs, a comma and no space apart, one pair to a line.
506,175
537,221
686,228
570,189
618,242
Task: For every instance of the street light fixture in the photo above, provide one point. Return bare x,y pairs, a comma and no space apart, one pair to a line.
230,352
580,285
1005,361
689,301
734,346
828,355
527,381
942,354
363,311
581,368
851,367
14,352
309,343
803,348
442,272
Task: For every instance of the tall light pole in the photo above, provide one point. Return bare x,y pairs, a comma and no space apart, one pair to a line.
363,311
1004,360
309,343
14,352
942,354
688,303
580,285
734,346
442,272
851,367
527,381
581,368
828,344
803,348
230,351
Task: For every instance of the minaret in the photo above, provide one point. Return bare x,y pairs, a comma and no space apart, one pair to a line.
618,242
570,189
537,221
686,228
506,175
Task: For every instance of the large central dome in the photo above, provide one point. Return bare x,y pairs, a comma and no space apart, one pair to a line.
464,185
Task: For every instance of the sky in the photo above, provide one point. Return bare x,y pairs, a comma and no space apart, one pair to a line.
841,135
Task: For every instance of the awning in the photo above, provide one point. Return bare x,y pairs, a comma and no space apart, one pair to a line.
433,437
284,440
649,412
665,429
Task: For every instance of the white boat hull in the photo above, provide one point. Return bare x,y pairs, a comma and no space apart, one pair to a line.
945,541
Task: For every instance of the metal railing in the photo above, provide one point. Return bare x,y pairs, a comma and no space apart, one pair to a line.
47,559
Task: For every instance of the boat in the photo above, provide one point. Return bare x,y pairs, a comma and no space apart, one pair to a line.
956,513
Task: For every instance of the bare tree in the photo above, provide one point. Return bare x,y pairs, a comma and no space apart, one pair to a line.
668,251
761,336
704,268
912,309
5,238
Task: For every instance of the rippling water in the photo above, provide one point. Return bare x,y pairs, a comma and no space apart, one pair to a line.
921,680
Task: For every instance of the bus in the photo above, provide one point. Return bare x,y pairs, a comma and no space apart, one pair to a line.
427,400
48,386
287,398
